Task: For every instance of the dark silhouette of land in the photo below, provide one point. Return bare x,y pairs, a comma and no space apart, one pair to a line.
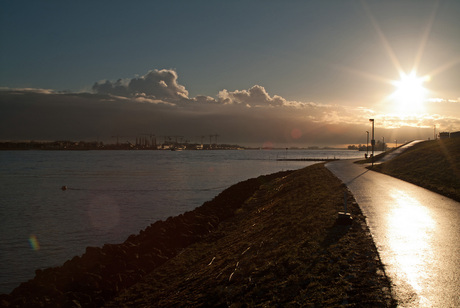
67,145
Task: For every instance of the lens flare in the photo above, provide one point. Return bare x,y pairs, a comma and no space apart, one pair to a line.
296,133
268,145
34,244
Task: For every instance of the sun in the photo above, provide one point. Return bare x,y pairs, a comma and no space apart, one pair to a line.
410,94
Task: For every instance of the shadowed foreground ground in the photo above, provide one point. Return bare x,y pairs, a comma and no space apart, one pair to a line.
283,247
269,241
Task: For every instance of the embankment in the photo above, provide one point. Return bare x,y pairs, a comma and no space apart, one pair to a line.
271,240
434,165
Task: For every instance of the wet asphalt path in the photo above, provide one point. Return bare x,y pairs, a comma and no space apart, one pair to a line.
416,231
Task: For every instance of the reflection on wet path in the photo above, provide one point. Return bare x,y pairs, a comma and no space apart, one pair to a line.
416,232
410,228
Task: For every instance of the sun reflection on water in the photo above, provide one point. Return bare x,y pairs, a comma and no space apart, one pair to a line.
410,229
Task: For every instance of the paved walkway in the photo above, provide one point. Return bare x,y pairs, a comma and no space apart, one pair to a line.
417,233
398,151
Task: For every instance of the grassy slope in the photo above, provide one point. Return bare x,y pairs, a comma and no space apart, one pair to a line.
283,248
434,165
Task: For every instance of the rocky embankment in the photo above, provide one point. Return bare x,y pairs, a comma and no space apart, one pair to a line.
101,273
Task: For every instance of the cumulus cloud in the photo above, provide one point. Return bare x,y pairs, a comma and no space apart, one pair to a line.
162,85
202,99
256,96
156,84
117,88
142,98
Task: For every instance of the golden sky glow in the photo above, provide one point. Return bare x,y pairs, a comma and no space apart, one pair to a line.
410,103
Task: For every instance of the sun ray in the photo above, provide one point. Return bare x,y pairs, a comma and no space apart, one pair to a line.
426,34
361,73
446,66
382,37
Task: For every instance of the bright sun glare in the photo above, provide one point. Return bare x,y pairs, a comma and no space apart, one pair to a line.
410,94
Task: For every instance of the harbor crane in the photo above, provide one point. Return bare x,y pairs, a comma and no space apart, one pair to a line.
119,136
153,139
176,137
215,139
200,137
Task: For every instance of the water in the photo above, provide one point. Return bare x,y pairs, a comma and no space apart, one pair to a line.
110,195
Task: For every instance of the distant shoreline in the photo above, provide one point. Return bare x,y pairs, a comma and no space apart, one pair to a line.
171,146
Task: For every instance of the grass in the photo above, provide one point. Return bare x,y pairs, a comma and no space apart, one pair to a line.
434,165
282,248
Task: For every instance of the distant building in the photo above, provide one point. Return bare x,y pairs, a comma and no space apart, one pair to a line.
444,135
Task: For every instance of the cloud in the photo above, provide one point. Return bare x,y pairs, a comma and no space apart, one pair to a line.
157,103
202,99
87,116
156,84
142,98
394,121
20,91
117,88
162,86
443,100
256,96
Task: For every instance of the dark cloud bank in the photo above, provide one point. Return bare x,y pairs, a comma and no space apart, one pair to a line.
156,103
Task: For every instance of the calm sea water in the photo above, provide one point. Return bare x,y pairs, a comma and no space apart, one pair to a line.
110,195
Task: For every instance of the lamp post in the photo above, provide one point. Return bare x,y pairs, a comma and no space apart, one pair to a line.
367,144
372,141
396,142
383,144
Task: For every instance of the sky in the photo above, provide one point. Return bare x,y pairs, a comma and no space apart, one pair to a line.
281,73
